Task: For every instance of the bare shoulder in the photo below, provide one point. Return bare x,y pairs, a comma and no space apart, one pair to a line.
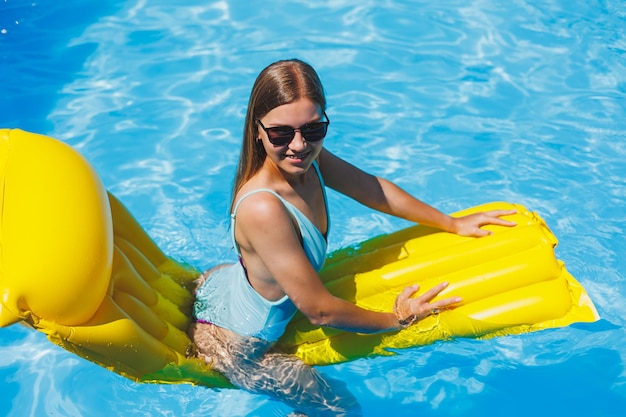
261,208
265,227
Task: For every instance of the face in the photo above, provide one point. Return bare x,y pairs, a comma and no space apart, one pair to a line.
296,156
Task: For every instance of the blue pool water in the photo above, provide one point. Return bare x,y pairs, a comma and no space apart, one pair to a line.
460,102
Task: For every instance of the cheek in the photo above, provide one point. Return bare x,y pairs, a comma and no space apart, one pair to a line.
271,150
318,147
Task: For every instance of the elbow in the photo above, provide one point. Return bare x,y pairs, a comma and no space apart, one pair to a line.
319,318
319,315
324,310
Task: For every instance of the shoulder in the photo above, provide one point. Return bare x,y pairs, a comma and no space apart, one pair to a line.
262,217
260,199
260,206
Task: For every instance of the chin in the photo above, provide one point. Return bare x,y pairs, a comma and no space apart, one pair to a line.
296,168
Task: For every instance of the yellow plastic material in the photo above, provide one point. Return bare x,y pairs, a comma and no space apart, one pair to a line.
37,174
76,265
510,283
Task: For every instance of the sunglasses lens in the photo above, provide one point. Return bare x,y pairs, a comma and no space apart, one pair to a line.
314,132
280,136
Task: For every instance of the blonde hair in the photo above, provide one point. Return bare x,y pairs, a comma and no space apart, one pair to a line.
280,83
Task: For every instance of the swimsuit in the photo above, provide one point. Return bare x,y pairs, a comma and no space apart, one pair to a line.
227,299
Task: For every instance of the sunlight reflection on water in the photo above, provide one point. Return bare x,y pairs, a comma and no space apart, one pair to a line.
458,102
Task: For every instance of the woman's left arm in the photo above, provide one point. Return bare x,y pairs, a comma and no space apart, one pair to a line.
385,196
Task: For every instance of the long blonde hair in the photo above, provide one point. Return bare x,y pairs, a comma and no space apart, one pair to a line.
282,82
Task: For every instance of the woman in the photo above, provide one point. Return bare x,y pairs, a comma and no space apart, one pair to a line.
279,227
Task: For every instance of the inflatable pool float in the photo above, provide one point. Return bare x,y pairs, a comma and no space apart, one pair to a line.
76,265
510,283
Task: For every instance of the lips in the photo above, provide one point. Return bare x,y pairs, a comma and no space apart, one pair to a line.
298,157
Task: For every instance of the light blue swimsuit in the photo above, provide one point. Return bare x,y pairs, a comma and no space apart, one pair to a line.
227,299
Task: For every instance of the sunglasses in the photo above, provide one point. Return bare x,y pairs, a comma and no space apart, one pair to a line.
282,135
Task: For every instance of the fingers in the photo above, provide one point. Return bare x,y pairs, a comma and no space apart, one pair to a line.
494,217
402,306
433,292
472,224
407,292
445,303
433,308
420,307
500,213
438,306
481,232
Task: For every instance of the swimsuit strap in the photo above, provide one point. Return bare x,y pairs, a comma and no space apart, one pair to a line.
289,206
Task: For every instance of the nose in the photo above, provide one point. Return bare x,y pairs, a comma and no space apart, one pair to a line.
298,141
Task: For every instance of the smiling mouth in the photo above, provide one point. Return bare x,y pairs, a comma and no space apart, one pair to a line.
298,156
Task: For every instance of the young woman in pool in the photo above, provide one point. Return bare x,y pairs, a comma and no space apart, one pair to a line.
279,226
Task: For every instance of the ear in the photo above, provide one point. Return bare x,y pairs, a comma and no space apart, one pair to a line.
257,132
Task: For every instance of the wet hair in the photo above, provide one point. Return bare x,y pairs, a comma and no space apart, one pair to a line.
280,83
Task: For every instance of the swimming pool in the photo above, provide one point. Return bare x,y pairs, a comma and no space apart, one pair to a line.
459,102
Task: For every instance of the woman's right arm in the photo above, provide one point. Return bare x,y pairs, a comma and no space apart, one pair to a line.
267,233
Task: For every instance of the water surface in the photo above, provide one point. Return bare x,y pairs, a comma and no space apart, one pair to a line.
458,102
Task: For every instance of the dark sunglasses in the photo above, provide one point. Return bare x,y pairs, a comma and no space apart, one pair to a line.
282,135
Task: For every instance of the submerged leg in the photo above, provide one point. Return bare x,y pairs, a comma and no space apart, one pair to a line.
248,364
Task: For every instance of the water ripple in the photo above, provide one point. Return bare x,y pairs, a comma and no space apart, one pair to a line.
460,103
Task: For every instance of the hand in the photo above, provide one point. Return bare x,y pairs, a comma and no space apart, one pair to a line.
409,310
471,225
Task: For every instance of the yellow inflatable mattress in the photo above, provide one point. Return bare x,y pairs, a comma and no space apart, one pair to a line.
76,265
